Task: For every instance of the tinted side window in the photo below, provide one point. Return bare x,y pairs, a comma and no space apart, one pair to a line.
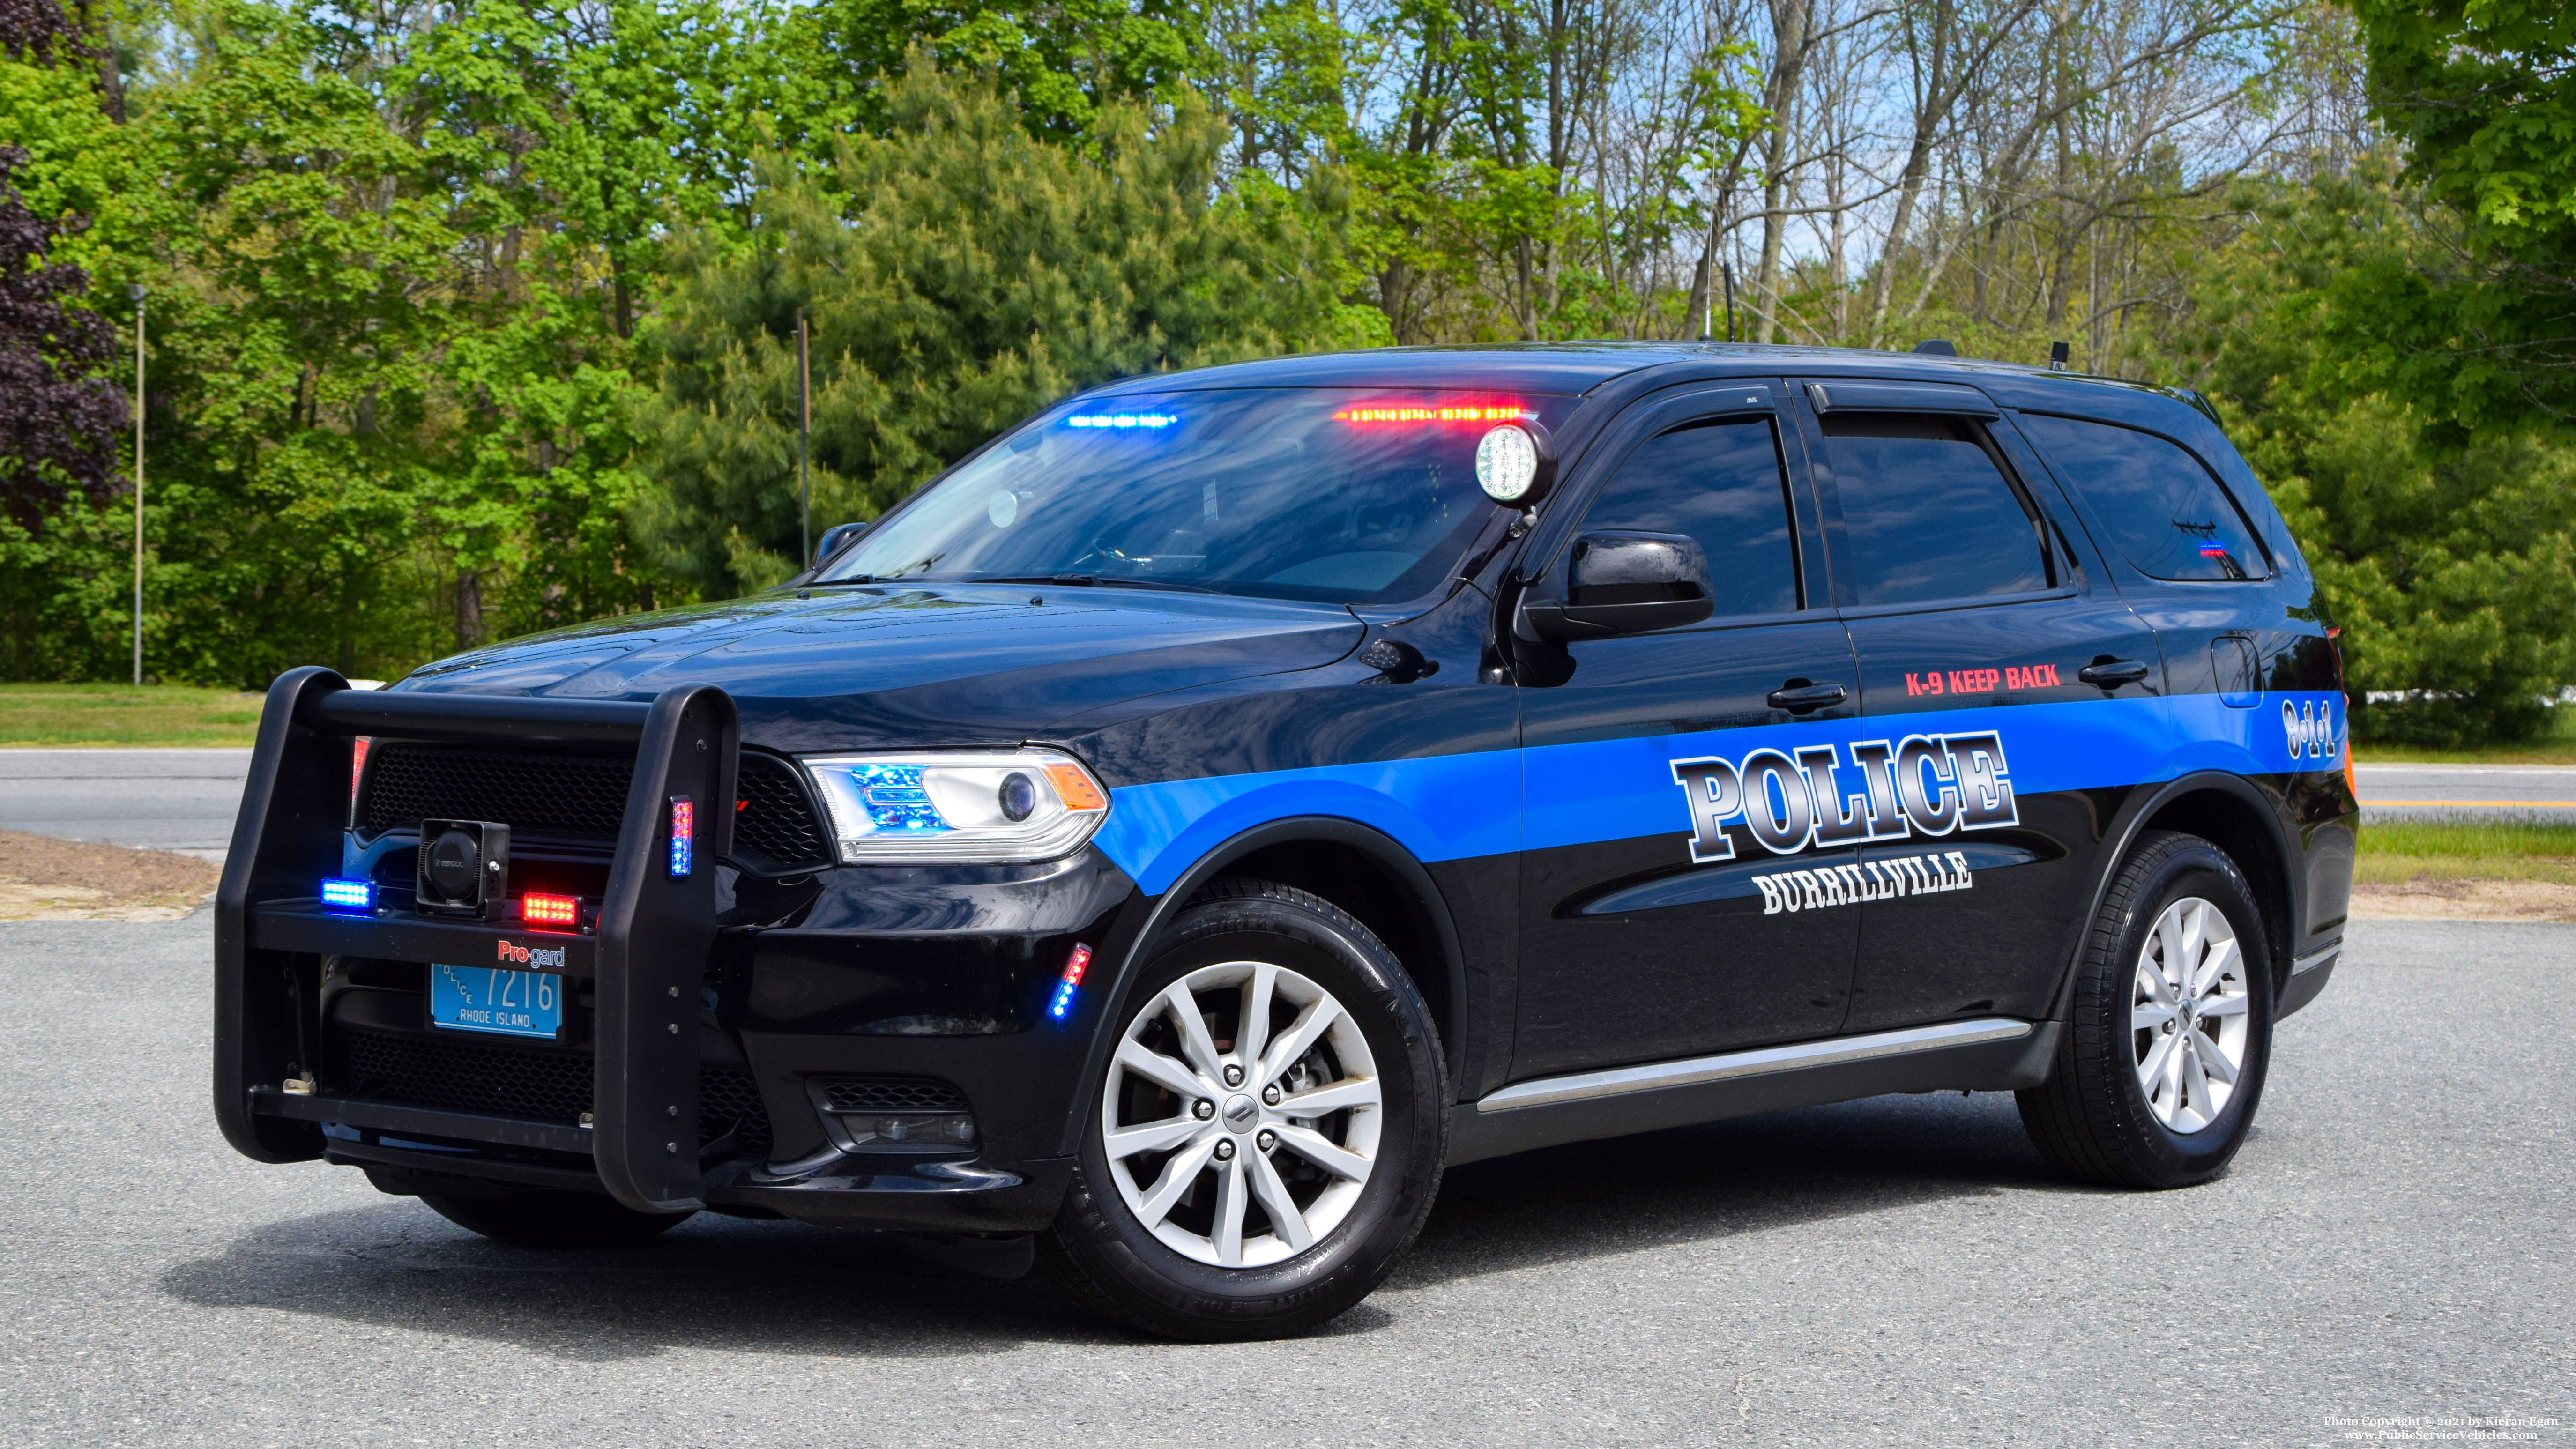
2165,511
1721,483
1926,512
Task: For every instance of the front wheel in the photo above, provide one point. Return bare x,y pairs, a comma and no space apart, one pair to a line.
1269,1130
2171,1029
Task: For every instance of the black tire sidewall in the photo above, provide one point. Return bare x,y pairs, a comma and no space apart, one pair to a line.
2158,1156
1167,1292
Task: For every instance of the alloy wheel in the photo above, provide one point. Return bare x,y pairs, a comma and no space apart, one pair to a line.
1241,1114
2189,1015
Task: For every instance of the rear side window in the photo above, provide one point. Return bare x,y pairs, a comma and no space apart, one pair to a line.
2163,508
1719,482
1927,512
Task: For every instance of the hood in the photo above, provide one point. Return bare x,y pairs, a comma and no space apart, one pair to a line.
913,666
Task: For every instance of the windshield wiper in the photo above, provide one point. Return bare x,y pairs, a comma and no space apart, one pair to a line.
1087,581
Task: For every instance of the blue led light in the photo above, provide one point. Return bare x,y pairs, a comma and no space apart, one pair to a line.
348,895
684,833
1121,420
896,799
1063,1000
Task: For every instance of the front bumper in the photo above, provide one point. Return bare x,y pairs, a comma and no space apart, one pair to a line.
701,1050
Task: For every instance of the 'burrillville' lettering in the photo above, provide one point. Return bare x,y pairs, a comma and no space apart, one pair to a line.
1868,880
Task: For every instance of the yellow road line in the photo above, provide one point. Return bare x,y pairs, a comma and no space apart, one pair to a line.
2513,804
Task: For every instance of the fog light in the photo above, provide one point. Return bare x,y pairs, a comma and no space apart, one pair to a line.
905,1129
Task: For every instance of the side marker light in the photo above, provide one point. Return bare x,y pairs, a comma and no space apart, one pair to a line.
684,827
544,910
348,895
1076,788
1064,988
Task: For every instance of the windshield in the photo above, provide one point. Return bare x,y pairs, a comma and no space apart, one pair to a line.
1340,495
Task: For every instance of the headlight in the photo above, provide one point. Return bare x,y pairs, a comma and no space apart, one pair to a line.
979,805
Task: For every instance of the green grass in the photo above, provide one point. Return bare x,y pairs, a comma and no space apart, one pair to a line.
2401,850
120,714
2554,746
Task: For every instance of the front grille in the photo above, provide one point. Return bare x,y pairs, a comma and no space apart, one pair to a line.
531,792
455,1076
776,820
890,1094
542,792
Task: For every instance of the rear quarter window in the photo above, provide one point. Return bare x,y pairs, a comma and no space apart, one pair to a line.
2166,513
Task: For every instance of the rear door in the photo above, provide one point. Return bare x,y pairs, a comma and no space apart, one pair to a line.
1645,936
2003,681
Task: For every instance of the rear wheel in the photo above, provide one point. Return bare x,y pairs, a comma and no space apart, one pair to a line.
2171,1029
1269,1132
543,1218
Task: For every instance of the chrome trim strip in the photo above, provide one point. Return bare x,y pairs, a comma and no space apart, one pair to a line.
2322,956
1658,1076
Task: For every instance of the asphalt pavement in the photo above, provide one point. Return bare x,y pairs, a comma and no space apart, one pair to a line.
2543,791
181,800
2395,1248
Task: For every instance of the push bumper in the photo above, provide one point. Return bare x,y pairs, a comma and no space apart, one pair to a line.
645,965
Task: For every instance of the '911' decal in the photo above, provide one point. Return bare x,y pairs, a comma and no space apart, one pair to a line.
1813,797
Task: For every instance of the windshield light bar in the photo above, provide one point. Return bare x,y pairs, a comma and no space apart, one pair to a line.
1120,420
1428,412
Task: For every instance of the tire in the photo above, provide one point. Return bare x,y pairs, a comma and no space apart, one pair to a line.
544,1218
2138,1097
1143,1237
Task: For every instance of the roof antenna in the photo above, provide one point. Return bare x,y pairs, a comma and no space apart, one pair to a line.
2057,355
1937,347
1727,271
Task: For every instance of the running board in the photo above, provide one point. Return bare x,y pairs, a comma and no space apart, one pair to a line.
1988,1054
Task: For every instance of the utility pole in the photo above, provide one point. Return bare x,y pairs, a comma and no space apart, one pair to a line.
136,292
804,443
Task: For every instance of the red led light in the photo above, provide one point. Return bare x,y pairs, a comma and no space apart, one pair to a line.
545,910
1397,410
1080,962
357,772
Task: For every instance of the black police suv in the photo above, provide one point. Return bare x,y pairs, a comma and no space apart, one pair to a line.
1230,797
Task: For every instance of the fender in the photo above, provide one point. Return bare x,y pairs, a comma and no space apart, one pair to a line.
1133,952
2131,820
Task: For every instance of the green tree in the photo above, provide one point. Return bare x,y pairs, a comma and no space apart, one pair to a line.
2482,326
2450,565
958,273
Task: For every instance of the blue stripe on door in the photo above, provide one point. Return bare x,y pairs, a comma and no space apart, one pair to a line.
1451,807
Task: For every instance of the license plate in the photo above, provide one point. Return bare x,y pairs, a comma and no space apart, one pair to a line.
485,998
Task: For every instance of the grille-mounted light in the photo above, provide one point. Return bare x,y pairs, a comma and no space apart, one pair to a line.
1070,982
539,909
684,827
348,895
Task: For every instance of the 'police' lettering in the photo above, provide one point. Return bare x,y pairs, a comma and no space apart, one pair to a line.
1871,790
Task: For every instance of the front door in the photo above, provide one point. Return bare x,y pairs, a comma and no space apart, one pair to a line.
1645,934
2008,692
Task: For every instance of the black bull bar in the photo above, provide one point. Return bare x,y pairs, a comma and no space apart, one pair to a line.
647,956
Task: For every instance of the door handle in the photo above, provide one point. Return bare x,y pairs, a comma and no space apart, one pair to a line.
1798,697
2112,673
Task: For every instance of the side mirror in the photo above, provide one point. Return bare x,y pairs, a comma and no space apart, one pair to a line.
1625,583
835,537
